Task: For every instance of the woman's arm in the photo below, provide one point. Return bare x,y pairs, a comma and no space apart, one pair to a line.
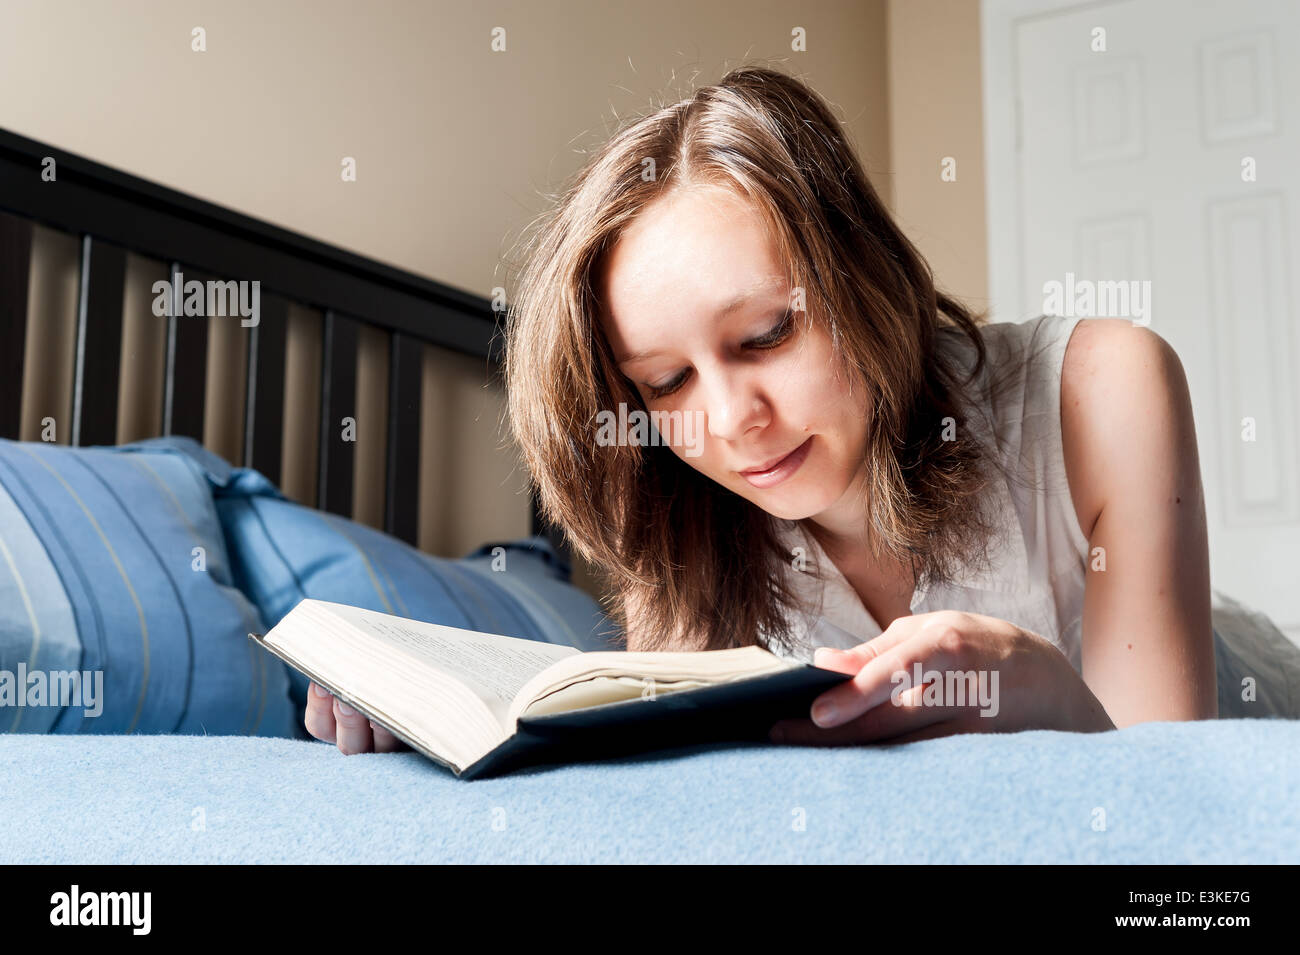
1134,474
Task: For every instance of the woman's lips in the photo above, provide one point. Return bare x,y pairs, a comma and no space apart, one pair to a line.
781,470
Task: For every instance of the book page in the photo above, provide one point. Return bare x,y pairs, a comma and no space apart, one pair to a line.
605,689
492,666
644,669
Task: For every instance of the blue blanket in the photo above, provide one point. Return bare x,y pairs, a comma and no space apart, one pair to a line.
1224,791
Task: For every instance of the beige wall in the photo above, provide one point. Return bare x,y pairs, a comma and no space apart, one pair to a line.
935,111
456,145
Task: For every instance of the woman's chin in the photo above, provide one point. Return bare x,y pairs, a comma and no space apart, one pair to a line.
791,507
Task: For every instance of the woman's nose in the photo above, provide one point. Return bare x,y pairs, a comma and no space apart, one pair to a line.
734,406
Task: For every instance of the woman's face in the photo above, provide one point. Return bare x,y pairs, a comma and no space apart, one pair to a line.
759,382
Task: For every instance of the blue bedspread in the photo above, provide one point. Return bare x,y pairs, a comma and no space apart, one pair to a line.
1217,791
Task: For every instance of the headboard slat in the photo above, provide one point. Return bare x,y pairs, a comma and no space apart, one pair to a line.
264,409
338,401
402,470
186,374
15,276
97,372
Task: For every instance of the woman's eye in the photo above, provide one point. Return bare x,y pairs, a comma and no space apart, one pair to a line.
769,340
662,391
777,335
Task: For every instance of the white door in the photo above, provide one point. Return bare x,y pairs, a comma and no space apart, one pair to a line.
1128,164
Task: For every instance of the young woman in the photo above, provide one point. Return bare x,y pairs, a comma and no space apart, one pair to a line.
878,481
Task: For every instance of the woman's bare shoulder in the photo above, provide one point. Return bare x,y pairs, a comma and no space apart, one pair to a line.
1125,411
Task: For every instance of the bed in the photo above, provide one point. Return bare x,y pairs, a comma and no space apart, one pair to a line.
167,486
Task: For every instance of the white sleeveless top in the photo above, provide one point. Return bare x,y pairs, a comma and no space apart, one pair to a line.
1038,566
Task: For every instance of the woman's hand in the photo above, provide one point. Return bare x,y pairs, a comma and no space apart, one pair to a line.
977,674
334,721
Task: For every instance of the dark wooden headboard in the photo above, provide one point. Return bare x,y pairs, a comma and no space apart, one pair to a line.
114,214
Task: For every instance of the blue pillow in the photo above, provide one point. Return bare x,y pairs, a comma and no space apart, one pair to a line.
282,552
118,613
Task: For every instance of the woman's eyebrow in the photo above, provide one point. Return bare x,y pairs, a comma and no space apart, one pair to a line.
736,301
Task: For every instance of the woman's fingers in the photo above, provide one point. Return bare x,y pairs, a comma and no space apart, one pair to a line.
319,718
878,682
386,742
352,730
333,721
855,658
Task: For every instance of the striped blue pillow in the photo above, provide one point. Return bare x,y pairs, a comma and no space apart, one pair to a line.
118,613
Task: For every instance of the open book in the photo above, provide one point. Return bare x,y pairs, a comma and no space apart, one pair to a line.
480,703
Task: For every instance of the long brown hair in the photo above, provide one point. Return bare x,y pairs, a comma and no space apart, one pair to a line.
692,564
